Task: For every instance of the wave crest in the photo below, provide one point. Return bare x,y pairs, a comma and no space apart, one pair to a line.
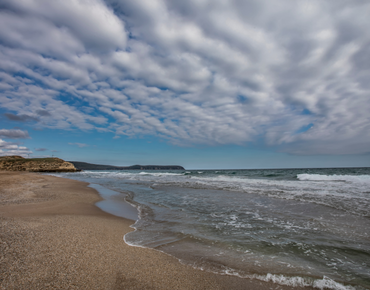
335,177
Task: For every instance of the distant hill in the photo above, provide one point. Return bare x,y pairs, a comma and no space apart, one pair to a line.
18,163
88,166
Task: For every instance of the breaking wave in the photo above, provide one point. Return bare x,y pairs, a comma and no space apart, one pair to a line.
335,177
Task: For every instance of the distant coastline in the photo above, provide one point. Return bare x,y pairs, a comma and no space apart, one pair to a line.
19,163
89,166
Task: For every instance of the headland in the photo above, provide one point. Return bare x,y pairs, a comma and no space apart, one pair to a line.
19,163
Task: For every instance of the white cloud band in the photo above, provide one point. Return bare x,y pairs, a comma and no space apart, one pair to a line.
294,75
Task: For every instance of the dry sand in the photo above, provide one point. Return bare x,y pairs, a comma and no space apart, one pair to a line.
52,236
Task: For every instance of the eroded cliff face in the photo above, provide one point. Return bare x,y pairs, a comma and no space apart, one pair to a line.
18,163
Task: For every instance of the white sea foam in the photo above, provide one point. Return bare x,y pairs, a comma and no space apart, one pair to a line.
104,174
160,173
222,178
335,177
324,283
295,281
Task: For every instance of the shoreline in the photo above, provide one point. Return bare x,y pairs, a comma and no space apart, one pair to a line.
54,236
112,202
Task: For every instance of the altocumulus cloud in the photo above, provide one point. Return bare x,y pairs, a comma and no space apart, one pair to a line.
41,149
14,134
293,74
11,148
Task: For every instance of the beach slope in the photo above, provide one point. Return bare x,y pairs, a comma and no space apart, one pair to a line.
53,236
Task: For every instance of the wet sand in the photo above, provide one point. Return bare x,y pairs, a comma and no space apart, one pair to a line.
52,236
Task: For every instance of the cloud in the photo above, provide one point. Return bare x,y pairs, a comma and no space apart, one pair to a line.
43,113
9,148
291,75
70,24
41,149
81,145
21,118
14,134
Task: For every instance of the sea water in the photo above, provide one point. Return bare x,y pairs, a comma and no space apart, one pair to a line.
299,227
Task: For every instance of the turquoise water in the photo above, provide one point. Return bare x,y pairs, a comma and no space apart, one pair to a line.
291,226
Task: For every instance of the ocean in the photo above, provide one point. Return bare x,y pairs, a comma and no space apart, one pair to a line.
298,227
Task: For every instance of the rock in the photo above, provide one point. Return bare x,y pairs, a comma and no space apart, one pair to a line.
18,163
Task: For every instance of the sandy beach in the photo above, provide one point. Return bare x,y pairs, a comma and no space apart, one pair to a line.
52,236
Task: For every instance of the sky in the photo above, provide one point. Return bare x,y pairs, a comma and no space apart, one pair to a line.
199,83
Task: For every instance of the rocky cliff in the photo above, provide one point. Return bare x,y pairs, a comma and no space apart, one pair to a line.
18,163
